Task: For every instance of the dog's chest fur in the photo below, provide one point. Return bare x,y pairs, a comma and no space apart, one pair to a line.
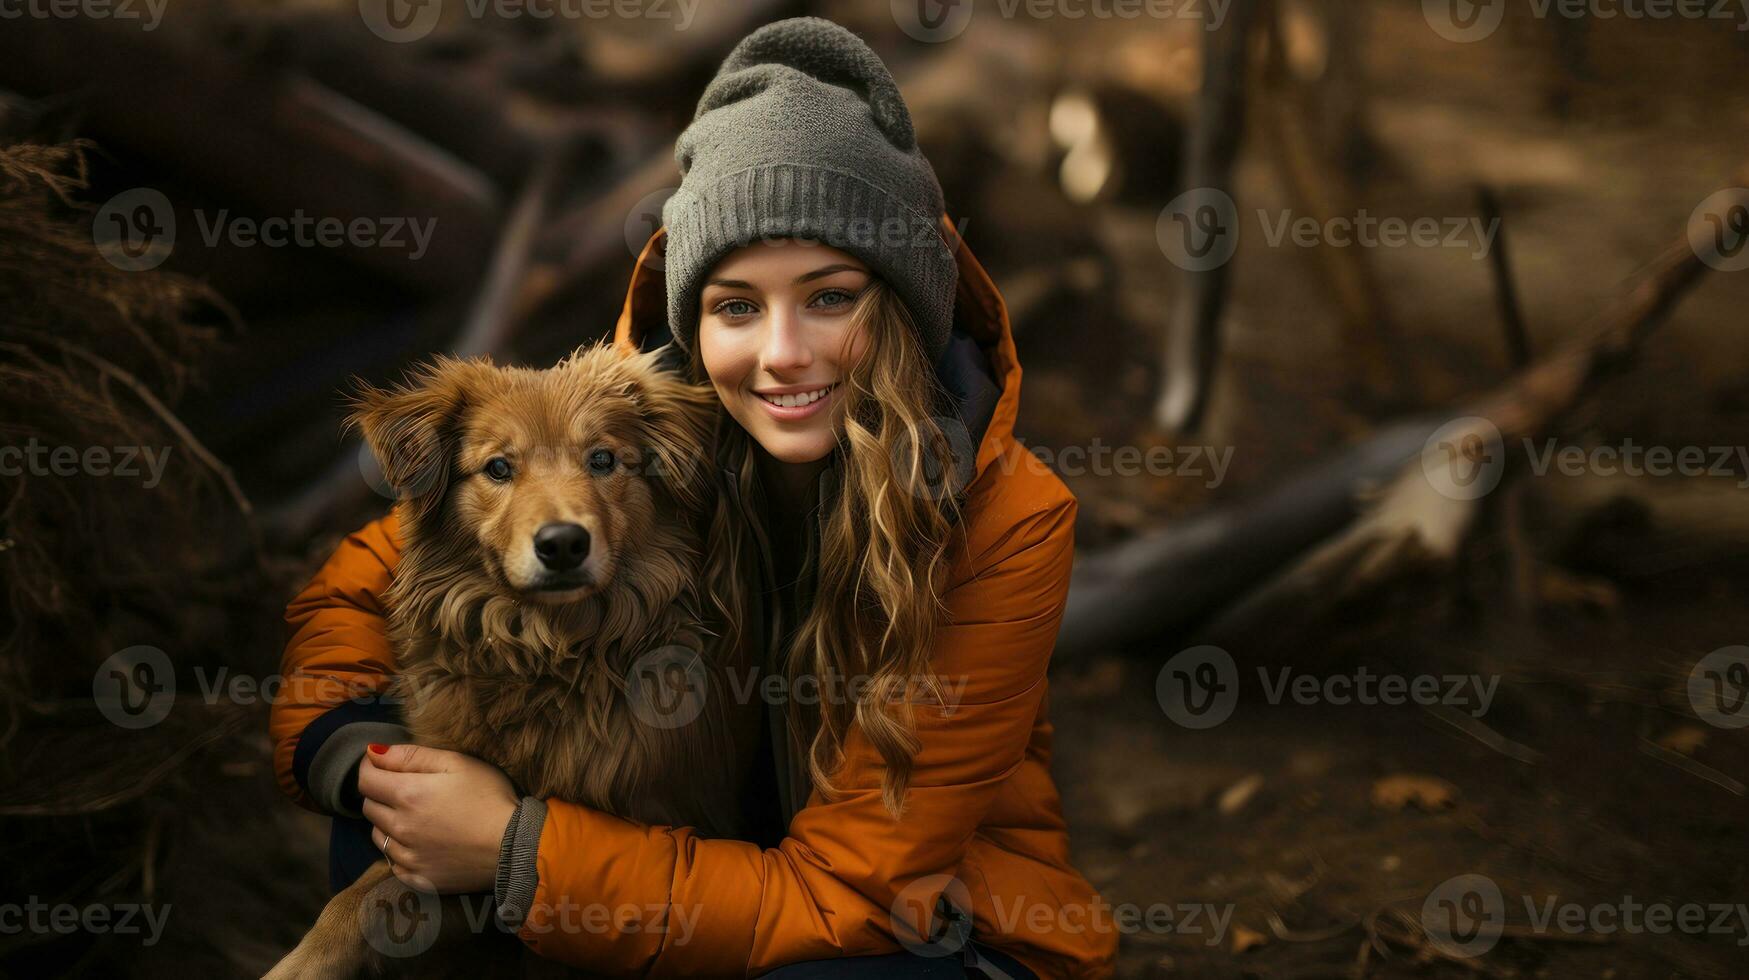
542,692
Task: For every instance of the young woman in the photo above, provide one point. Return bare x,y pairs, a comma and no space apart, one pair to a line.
806,268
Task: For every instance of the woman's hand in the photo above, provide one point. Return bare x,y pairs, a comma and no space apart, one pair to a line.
444,815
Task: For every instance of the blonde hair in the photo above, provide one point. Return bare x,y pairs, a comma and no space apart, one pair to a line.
881,557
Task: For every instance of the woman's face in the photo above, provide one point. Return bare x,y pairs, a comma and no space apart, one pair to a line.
776,338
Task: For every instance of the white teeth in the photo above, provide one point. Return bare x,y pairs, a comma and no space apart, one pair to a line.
795,401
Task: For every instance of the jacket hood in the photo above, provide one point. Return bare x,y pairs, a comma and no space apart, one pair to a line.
979,371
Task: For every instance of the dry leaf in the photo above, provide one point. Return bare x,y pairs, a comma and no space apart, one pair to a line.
1404,789
1558,588
1244,939
1234,798
1686,740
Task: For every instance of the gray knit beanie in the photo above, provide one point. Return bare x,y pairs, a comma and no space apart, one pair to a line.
803,134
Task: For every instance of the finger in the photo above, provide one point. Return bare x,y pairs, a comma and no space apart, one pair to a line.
405,863
405,791
407,874
383,820
379,784
412,758
400,854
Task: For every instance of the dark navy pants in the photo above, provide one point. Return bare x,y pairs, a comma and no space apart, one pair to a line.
351,851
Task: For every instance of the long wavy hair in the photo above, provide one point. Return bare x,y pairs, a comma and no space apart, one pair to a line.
879,564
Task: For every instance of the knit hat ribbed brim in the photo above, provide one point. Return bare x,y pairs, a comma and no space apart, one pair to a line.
803,134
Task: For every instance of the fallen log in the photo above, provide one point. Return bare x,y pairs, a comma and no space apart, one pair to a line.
437,98
1414,524
1315,542
260,137
1170,581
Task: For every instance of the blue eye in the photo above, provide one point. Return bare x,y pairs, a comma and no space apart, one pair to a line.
601,462
843,297
735,308
498,469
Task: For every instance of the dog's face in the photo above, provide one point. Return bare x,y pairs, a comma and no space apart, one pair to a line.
550,477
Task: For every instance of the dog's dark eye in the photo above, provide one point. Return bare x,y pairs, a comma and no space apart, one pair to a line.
498,469
601,462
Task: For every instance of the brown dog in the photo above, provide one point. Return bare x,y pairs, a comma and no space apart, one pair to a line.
549,616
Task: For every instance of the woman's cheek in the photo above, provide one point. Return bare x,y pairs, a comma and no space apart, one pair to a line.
855,345
717,357
723,352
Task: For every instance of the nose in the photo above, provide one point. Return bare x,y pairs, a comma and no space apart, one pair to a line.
561,547
786,346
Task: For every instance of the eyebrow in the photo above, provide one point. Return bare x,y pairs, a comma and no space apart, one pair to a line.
820,273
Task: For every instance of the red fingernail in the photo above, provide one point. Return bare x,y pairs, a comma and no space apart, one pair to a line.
376,749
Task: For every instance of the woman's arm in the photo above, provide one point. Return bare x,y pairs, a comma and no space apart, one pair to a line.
714,907
336,664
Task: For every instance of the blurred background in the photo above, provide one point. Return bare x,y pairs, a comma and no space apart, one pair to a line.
1346,320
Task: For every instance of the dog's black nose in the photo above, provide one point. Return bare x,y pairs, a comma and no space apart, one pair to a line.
561,547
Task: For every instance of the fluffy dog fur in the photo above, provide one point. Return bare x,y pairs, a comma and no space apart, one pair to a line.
502,658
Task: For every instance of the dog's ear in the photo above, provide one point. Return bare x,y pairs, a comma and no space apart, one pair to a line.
413,428
680,420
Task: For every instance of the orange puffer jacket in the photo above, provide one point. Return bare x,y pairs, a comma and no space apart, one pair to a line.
981,810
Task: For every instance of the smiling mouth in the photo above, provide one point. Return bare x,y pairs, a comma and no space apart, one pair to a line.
800,399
